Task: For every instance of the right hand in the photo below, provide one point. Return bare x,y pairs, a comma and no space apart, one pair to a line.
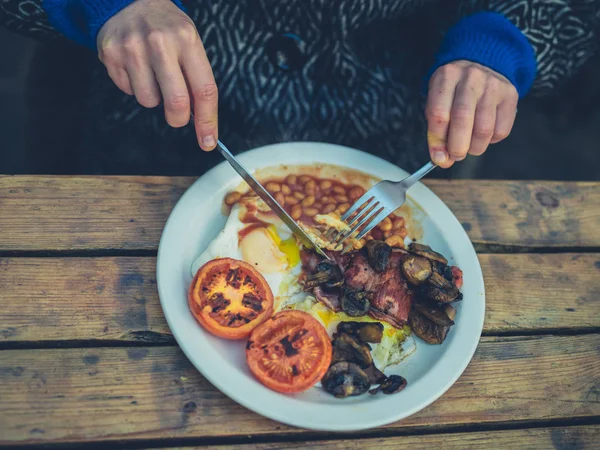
152,50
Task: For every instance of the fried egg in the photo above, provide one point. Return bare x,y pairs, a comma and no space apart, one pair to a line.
265,243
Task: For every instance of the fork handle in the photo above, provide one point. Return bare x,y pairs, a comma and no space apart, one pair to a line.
412,179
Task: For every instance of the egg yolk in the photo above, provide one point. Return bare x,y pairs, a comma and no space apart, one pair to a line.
264,249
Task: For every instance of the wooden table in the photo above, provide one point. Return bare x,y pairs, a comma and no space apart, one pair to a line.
87,358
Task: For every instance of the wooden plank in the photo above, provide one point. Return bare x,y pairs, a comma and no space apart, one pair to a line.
559,438
75,213
46,299
72,395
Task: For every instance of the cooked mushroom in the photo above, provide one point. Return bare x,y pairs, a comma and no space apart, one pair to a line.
440,289
347,348
391,385
450,311
345,379
355,303
434,313
429,331
375,375
427,252
366,332
328,274
378,255
416,269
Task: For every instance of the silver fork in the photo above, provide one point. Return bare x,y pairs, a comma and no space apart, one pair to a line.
375,205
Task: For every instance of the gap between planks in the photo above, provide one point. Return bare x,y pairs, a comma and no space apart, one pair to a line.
575,433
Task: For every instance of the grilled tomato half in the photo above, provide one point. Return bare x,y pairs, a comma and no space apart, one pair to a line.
290,352
229,298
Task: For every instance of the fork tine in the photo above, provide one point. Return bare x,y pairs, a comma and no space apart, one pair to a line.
365,198
361,210
352,228
368,217
382,214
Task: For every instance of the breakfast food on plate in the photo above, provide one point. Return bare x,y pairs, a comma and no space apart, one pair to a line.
342,321
289,352
230,298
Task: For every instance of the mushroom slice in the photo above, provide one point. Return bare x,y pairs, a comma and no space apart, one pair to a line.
375,375
328,274
345,379
440,289
427,252
429,331
450,311
416,269
391,385
346,348
378,255
366,332
355,303
434,313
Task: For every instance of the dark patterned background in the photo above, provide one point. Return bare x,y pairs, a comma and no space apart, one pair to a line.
43,111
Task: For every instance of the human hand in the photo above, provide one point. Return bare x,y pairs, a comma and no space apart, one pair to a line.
469,106
152,50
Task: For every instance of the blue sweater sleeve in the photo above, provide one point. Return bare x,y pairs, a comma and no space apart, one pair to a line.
493,41
80,20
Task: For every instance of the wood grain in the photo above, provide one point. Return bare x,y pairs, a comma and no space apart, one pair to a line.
559,438
128,213
72,395
115,299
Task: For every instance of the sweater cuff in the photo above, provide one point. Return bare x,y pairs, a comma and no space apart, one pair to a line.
493,41
81,20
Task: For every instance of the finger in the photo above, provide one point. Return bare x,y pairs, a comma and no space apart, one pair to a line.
141,75
120,78
203,88
439,104
462,118
506,114
171,82
484,124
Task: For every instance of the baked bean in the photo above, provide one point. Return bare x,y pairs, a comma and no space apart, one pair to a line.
403,232
325,184
291,200
291,179
385,224
280,198
387,234
311,212
368,238
232,197
304,179
338,190
310,187
272,186
395,241
308,201
398,222
355,193
325,199
343,208
299,195
357,245
317,206
329,207
341,199
296,212
286,189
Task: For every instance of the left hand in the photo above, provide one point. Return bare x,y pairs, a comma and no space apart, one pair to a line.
469,107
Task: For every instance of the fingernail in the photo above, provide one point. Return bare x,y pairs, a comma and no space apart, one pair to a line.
209,141
439,157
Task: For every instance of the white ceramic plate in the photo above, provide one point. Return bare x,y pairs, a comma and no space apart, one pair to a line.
430,371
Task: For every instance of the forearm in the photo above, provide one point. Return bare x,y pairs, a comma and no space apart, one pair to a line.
26,17
563,33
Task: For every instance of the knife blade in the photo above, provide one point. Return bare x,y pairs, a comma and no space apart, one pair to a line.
269,200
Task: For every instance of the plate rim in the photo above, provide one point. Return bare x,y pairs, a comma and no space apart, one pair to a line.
246,159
